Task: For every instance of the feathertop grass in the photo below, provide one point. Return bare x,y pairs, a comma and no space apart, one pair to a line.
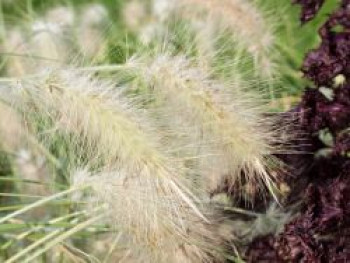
251,28
147,193
226,124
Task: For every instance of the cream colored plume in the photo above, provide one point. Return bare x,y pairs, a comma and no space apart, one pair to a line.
152,220
251,29
145,192
224,125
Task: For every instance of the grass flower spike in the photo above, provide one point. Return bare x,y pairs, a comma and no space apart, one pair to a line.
224,124
247,24
145,191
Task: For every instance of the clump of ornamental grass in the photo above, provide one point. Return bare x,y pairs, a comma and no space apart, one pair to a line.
142,192
218,134
243,21
210,34
223,127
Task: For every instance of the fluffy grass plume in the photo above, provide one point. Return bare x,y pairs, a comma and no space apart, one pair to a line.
225,125
249,26
145,191
152,220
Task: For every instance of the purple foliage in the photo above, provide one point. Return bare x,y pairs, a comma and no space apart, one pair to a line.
321,232
332,57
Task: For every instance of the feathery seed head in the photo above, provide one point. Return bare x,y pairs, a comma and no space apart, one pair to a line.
145,192
152,218
250,28
241,17
225,124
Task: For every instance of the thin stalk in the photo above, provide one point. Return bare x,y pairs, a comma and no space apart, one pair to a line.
39,203
33,246
44,239
62,237
112,248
